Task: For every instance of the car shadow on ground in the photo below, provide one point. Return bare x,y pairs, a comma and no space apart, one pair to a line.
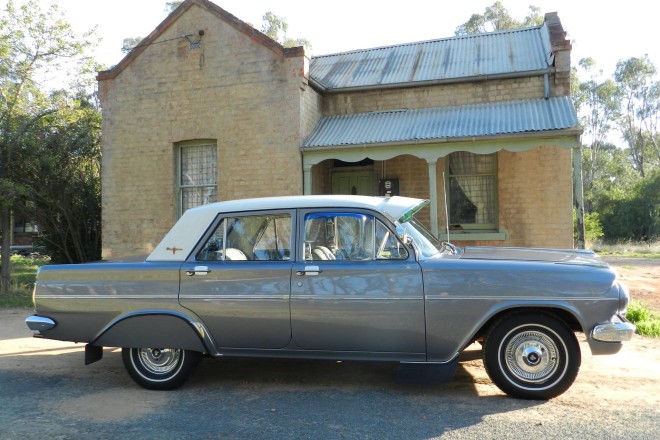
240,398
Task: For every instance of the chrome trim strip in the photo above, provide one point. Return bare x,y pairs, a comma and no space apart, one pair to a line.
521,297
449,361
237,297
329,297
40,323
120,296
613,332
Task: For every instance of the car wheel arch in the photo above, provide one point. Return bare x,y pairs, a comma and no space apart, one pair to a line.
567,315
156,328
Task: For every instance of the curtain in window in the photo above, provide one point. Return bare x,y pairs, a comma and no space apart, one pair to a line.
472,177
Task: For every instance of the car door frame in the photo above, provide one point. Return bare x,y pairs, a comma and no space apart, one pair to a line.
226,313
368,324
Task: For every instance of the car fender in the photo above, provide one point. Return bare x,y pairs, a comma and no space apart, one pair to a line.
156,328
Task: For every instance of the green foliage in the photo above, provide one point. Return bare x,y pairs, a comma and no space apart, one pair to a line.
637,312
593,229
647,323
276,28
640,109
497,18
35,44
23,275
130,43
621,181
633,214
171,6
66,195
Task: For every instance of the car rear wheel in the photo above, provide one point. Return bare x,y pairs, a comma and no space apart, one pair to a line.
159,368
532,355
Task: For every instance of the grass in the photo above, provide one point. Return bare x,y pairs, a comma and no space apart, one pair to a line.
647,322
650,249
23,275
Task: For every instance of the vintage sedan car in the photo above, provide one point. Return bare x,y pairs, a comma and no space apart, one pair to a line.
336,277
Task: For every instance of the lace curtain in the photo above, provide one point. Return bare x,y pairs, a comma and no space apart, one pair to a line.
474,176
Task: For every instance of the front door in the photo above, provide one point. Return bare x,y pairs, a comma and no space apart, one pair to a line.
239,282
355,287
356,183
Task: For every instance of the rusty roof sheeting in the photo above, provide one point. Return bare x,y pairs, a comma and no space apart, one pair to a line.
495,53
412,125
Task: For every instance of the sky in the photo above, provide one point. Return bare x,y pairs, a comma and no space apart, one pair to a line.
605,32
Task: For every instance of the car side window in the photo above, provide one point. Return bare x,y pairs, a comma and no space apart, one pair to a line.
349,236
388,245
265,237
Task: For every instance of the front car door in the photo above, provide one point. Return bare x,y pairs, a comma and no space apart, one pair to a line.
355,287
238,281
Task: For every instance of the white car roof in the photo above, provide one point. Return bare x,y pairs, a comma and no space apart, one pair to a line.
184,235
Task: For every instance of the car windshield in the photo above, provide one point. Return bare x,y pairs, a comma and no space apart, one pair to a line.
427,244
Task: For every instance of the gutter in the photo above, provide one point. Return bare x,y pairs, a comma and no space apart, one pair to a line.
508,136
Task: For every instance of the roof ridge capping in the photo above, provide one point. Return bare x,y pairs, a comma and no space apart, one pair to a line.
435,40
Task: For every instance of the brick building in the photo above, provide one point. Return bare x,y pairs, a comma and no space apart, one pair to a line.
207,108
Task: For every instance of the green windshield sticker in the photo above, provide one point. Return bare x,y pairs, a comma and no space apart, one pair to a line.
408,215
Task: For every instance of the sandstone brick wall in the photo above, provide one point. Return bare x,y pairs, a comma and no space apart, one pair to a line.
232,89
536,197
435,96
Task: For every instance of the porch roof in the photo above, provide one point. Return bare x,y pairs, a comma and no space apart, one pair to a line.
444,124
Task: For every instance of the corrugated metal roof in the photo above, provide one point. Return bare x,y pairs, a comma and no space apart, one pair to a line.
495,53
409,125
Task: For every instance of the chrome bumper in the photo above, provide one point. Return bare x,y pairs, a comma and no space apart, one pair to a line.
39,323
618,331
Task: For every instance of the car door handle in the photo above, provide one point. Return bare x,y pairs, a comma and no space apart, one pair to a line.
198,270
309,270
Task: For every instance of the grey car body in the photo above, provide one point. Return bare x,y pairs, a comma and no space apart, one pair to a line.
248,278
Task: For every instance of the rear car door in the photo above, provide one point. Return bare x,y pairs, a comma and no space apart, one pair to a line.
355,286
238,281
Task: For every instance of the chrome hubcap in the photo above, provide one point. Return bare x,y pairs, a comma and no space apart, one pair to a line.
159,361
532,356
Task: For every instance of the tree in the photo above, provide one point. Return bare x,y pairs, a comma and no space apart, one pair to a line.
171,6
33,45
65,183
130,43
640,110
276,28
497,18
598,103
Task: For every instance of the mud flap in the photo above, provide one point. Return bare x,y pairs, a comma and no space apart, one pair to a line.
93,353
426,373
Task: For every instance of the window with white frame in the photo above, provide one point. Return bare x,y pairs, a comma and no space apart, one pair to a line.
197,174
472,187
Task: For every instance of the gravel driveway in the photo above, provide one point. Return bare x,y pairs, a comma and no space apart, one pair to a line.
47,392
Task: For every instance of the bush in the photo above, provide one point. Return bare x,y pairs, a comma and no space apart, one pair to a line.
635,215
647,324
593,229
23,275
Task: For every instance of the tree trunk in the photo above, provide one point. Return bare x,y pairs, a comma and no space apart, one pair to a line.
5,228
578,195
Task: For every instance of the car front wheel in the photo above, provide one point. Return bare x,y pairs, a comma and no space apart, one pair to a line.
159,368
531,355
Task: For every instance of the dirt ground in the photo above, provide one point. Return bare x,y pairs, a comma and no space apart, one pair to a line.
642,276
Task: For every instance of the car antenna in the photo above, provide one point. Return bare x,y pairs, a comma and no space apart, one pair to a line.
444,191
